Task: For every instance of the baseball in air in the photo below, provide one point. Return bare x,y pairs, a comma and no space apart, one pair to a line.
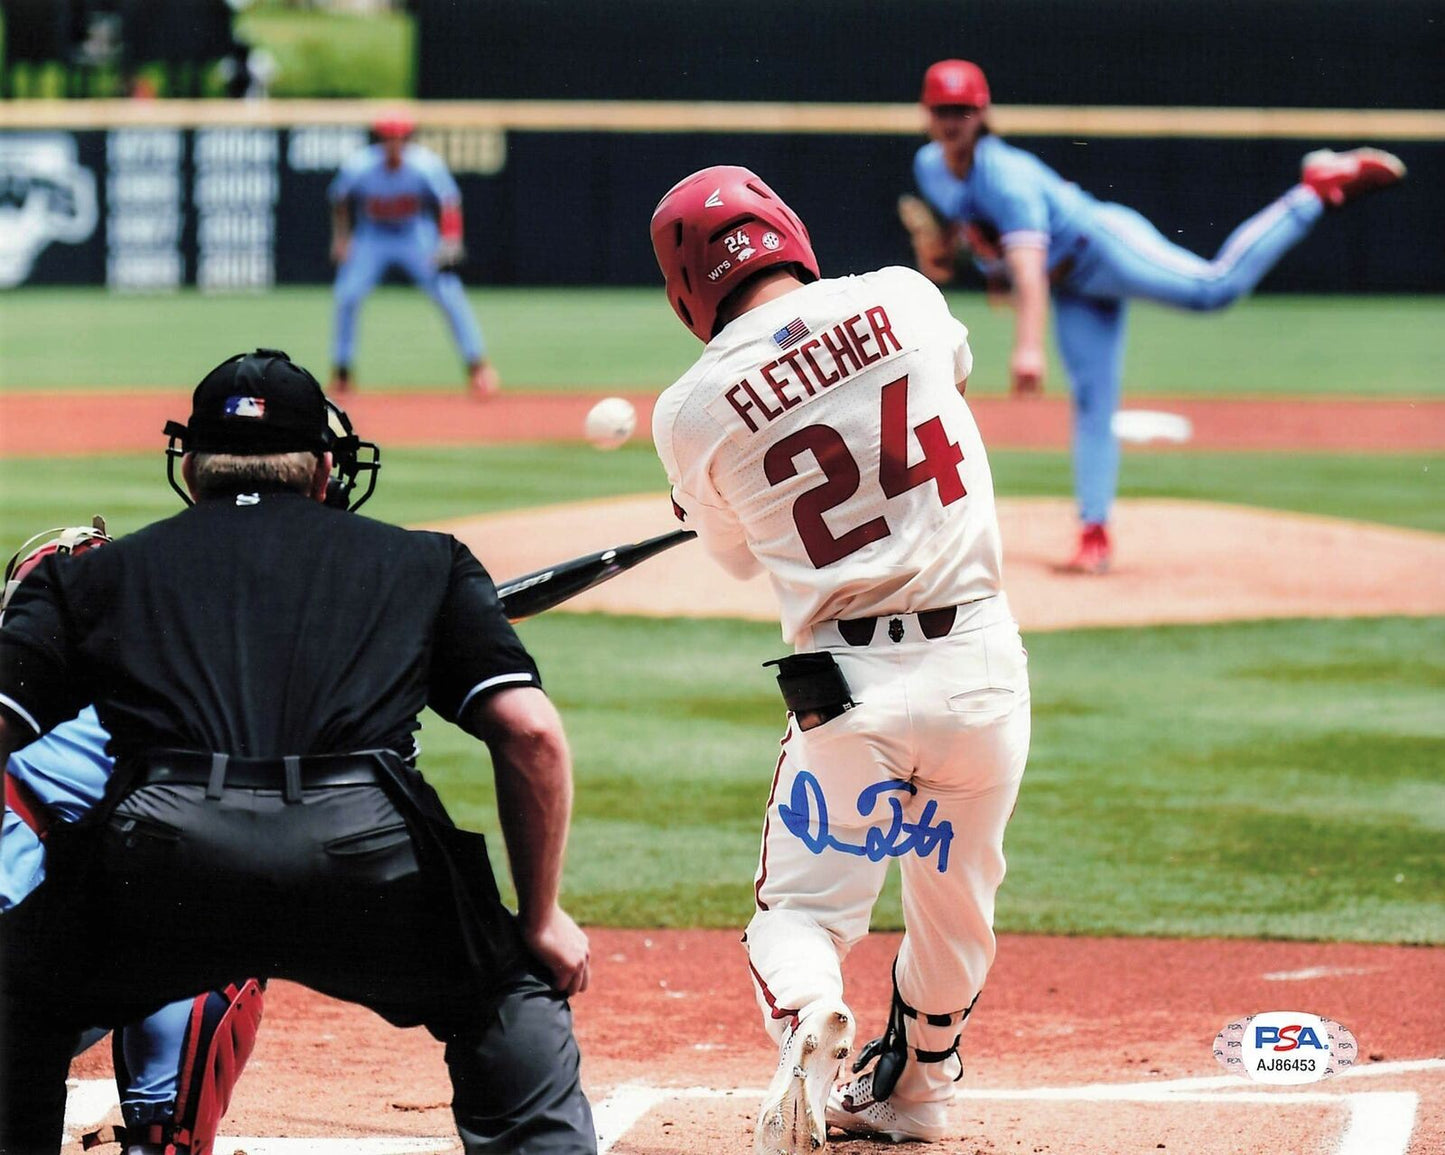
610,422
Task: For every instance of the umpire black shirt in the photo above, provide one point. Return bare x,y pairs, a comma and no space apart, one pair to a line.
259,625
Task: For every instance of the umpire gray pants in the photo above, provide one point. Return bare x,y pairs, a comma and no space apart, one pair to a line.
326,891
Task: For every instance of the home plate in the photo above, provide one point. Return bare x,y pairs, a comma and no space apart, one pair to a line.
1142,426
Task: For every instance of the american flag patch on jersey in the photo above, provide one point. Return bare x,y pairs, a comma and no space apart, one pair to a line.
245,407
793,331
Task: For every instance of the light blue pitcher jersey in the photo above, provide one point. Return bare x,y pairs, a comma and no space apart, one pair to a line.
1011,190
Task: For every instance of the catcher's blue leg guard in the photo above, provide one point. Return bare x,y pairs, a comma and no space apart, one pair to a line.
891,1049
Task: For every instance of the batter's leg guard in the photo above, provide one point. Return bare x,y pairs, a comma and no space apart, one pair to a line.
891,1049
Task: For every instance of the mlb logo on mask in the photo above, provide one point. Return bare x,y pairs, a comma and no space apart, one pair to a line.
245,407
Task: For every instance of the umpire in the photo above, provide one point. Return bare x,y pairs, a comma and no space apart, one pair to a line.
260,660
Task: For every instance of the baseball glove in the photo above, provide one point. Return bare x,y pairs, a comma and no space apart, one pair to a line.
932,245
939,247
980,239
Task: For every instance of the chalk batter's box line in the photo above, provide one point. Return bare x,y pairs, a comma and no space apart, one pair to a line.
1378,1122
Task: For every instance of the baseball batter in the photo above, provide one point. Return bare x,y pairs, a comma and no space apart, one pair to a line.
823,438
172,1091
1028,226
395,205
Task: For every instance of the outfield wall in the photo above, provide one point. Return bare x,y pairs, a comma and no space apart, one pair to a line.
150,196
1243,53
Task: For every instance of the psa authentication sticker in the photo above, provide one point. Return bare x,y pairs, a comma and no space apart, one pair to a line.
1285,1047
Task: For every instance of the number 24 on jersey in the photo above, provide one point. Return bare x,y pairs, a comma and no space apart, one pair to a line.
841,476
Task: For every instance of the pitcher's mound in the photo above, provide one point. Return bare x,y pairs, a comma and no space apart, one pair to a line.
1175,561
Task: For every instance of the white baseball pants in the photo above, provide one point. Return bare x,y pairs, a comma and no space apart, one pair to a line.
925,769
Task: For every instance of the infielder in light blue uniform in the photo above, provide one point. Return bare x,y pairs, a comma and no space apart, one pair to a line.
1048,238
60,777
395,205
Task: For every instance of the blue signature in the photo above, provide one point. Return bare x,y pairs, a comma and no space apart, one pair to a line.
893,841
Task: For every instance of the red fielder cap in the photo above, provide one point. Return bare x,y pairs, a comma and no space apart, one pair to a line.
955,82
393,125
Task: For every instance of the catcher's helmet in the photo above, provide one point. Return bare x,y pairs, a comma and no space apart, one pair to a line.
955,82
76,539
717,229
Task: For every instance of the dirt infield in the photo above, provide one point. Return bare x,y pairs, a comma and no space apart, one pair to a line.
1178,561
1079,1045
43,424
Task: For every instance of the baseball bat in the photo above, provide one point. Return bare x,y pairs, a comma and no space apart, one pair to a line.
530,594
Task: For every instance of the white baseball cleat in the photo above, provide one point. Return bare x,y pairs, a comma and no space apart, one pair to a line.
852,1108
791,1120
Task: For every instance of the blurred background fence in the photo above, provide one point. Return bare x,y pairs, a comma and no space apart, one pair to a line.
565,120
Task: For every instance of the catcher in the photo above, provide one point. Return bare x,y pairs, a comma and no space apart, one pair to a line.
174,1069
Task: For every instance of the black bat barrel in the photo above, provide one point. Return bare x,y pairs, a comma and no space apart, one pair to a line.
530,594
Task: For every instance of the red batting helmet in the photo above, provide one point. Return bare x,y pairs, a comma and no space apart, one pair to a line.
76,539
955,82
716,229
393,125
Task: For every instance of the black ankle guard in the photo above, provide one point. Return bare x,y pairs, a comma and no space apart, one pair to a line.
891,1048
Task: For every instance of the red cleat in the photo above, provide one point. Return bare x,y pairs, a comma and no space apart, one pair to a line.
1093,554
1339,177
483,382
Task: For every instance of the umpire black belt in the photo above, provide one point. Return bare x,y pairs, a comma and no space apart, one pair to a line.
290,774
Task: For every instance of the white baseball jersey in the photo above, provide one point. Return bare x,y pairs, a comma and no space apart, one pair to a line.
823,437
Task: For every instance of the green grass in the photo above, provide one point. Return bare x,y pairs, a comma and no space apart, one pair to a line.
320,54
415,486
429,485
335,54
611,339
1402,489
1258,779
1280,779
1345,346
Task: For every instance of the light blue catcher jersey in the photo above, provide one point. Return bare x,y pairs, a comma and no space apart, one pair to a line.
394,198
1011,190
67,770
